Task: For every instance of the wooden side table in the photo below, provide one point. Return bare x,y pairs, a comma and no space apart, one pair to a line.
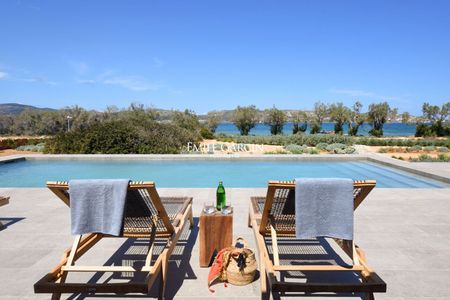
216,233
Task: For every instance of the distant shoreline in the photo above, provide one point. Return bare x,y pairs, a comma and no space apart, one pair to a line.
390,129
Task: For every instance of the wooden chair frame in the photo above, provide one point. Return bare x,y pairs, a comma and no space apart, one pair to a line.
262,227
3,201
55,281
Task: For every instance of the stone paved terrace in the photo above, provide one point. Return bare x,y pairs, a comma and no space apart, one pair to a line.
405,233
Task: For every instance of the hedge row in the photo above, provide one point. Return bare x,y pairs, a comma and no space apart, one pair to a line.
313,140
15,143
310,140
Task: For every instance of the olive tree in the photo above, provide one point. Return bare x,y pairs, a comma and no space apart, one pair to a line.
276,119
299,122
319,114
438,117
405,117
212,121
6,123
339,114
356,119
245,118
187,120
377,116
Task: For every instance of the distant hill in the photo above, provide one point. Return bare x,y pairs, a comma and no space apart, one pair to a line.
16,108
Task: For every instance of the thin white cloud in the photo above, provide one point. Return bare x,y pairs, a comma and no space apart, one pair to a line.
157,62
132,83
363,93
39,79
87,81
80,67
17,74
353,93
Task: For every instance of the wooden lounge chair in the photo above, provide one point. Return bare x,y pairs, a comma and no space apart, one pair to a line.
273,218
146,216
3,201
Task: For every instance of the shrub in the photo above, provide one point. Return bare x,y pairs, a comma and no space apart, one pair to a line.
295,149
401,142
429,148
415,148
122,137
383,150
349,150
443,149
313,151
206,133
322,146
15,143
340,149
299,139
376,132
424,130
425,157
443,157
33,148
335,146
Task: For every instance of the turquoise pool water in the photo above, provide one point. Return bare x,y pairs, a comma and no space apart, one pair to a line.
200,173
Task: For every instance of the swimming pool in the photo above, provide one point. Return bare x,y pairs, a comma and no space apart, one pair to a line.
204,173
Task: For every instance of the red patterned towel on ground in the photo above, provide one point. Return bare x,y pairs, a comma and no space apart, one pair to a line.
217,271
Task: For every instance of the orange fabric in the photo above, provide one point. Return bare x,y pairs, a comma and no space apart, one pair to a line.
217,268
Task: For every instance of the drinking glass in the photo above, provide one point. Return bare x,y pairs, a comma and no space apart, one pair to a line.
227,209
209,208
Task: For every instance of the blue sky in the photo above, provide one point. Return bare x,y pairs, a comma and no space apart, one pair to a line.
206,55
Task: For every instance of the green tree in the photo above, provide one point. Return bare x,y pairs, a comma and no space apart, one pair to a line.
212,121
276,119
187,120
137,112
245,118
393,112
299,122
340,114
405,117
6,123
356,119
438,117
377,116
320,112
26,122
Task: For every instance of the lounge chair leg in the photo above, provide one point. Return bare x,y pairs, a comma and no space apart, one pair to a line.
162,288
370,296
57,296
249,221
263,275
191,219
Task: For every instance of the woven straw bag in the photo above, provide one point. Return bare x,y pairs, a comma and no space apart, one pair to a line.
241,264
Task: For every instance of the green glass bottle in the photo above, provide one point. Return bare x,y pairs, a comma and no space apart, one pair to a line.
221,200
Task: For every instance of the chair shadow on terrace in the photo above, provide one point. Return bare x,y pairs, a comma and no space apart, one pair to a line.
318,251
133,252
7,222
